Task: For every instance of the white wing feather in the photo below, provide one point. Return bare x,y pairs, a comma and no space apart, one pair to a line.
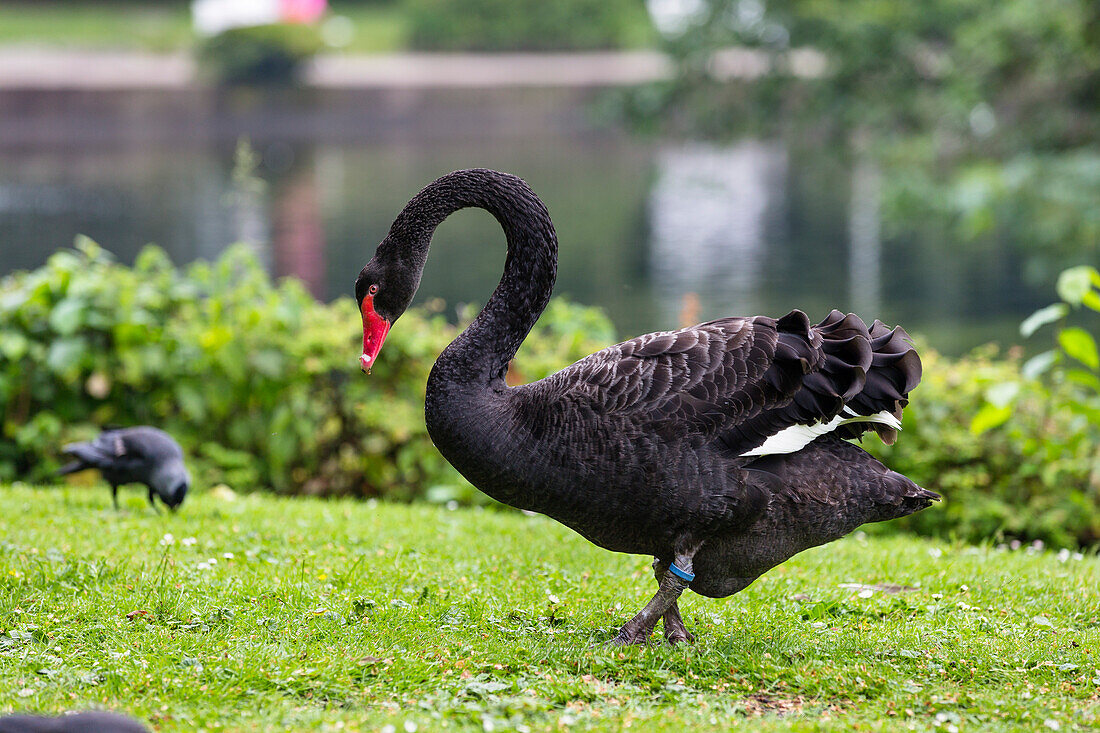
797,437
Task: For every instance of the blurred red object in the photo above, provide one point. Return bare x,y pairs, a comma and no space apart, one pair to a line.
216,16
303,11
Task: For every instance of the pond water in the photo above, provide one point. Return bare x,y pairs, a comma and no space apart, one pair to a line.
656,232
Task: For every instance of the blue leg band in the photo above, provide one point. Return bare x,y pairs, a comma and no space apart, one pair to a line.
681,573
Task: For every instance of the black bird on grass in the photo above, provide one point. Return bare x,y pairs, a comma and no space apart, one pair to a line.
137,455
88,722
717,449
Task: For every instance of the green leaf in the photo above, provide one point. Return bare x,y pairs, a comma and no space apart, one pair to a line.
87,245
13,345
1091,300
191,401
1042,317
1039,364
1003,394
1078,343
1085,379
1075,282
989,417
67,316
64,354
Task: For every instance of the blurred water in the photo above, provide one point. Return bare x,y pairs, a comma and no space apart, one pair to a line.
645,225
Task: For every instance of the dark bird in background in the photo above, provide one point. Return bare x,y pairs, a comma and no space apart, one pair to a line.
718,449
89,722
137,455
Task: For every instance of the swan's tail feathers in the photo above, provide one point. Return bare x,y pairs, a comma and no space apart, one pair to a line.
858,374
834,355
841,376
894,371
901,497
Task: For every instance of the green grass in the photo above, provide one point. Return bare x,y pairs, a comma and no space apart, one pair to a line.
165,26
297,614
106,25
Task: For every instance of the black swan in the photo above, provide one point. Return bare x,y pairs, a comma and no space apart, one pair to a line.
137,455
717,449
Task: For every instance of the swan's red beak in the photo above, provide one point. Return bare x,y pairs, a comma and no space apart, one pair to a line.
375,328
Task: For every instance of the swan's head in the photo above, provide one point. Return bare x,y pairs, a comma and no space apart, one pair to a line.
383,290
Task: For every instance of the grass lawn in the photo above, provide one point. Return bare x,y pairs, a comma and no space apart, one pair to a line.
165,26
266,613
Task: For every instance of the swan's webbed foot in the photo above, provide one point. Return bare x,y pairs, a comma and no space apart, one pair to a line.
663,605
675,631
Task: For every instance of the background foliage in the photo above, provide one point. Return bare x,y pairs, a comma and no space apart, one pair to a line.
983,115
264,54
1012,456
259,383
257,380
525,25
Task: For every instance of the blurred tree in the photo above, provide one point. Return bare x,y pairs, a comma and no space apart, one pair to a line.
526,25
985,113
999,73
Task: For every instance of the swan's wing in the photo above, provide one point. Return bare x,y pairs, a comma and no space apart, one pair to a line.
758,385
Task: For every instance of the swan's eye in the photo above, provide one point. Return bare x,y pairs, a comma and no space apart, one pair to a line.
372,290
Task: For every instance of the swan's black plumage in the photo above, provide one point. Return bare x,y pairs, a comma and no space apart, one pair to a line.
645,446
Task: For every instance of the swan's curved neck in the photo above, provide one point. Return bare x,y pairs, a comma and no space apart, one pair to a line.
481,353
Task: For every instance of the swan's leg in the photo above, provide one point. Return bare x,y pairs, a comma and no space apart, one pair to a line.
675,631
638,629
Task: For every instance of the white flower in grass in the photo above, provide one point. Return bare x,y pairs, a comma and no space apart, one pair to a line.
410,726
935,552
1052,724
167,539
227,555
188,541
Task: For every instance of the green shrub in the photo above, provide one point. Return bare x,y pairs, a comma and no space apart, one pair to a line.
524,25
258,381
1033,475
260,384
265,54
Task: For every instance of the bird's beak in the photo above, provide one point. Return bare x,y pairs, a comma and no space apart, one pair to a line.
375,329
